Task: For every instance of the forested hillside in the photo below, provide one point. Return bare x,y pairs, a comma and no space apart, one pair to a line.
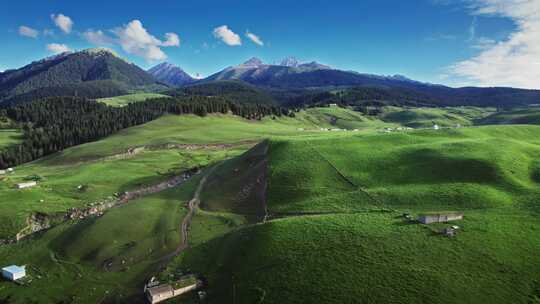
234,89
53,124
90,73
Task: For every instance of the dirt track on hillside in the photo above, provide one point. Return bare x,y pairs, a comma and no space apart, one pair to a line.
193,204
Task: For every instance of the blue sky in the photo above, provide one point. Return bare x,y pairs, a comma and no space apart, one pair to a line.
461,42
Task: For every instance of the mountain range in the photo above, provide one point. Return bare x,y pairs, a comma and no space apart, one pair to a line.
100,72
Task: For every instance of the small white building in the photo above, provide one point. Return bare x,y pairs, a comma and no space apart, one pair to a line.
10,170
14,272
436,127
164,292
26,185
2,172
440,217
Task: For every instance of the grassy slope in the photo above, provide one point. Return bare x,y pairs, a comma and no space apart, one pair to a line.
491,172
120,101
64,171
337,117
373,255
133,238
372,258
455,168
517,116
59,192
188,129
9,137
426,117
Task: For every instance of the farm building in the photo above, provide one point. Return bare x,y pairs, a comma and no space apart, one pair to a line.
14,272
440,217
26,185
2,172
159,293
436,127
166,291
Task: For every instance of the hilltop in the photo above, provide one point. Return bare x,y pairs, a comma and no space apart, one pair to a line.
88,73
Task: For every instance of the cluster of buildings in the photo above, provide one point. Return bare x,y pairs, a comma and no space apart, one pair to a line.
23,185
338,130
390,130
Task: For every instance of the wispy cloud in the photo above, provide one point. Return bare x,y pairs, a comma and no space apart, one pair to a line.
256,39
227,36
172,39
28,31
440,36
98,38
472,28
63,22
58,48
134,39
506,62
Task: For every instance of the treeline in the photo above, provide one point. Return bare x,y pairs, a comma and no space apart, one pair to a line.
235,90
53,124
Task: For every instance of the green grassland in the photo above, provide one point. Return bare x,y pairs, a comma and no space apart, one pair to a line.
342,118
373,258
331,203
427,117
453,168
85,165
9,137
522,116
120,101
355,246
106,258
58,189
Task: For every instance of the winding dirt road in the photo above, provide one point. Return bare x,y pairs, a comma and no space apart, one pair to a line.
193,204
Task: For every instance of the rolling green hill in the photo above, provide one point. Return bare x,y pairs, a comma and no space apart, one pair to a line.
304,216
342,199
517,116
9,137
427,117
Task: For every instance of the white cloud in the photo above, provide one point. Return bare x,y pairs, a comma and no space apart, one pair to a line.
63,22
97,37
171,40
256,39
135,39
28,31
58,48
48,32
226,35
507,62
483,43
472,29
